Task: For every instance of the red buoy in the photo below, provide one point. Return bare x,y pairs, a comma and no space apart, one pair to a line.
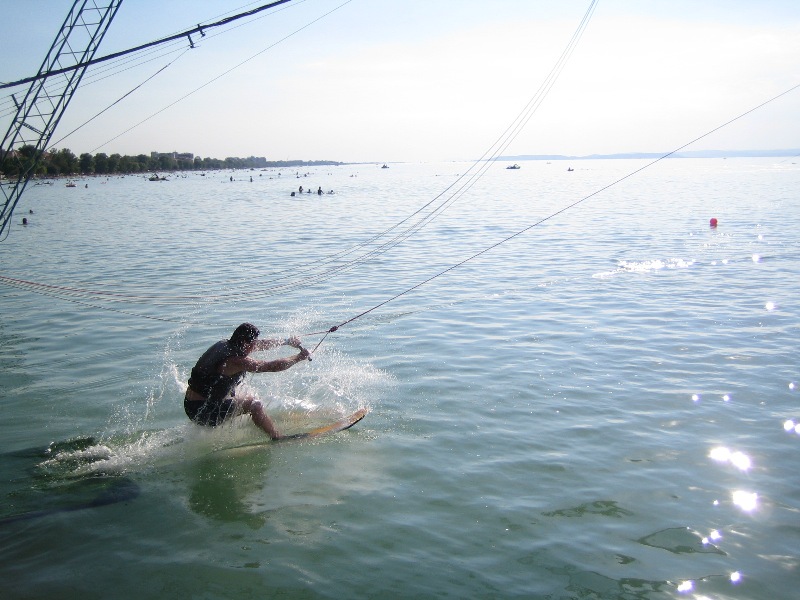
713,222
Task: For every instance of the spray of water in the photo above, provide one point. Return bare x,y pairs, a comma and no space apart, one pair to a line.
299,399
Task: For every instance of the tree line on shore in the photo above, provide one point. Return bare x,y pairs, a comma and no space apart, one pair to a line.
64,162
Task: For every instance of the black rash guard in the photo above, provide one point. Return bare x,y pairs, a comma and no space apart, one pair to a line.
207,381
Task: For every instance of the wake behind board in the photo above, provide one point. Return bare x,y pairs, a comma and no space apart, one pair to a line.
339,425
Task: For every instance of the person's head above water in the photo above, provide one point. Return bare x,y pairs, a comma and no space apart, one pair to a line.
245,334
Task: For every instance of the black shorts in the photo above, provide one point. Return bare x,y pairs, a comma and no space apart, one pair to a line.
210,412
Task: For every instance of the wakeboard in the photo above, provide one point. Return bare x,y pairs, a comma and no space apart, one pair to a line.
340,425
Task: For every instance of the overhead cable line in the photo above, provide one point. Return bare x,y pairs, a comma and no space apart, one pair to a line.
118,100
7,106
94,77
201,29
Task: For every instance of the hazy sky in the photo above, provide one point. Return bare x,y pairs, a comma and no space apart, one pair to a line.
420,80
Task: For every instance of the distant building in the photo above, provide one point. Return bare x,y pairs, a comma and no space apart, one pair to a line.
175,155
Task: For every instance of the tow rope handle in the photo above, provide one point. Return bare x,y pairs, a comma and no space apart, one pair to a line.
331,330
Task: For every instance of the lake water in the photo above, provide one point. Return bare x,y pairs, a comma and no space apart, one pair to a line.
601,407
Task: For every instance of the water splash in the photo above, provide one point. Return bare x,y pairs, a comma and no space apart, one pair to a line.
298,400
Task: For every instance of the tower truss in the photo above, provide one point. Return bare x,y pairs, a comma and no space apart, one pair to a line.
45,101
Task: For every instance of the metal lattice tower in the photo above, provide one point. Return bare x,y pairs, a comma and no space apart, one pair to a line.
39,112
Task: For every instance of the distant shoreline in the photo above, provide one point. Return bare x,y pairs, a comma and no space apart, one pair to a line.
653,155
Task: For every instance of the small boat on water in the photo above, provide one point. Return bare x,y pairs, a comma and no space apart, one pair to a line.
514,166
157,178
385,166
71,184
